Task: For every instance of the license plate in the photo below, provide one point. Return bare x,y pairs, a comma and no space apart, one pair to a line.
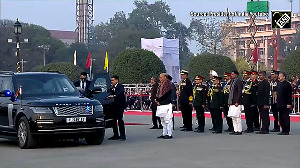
76,119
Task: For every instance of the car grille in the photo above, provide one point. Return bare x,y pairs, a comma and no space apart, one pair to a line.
73,110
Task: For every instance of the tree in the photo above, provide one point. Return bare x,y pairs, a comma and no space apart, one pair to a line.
30,52
136,66
203,63
212,34
67,68
291,64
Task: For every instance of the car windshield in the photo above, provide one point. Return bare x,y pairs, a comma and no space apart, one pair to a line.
43,85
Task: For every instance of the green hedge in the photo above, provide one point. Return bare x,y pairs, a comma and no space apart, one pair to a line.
203,63
136,66
291,64
66,68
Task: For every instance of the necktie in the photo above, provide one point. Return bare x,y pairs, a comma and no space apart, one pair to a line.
82,85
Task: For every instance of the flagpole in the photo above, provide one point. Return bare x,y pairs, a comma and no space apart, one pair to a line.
91,67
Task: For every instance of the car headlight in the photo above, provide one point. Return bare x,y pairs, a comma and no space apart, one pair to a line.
98,108
41,109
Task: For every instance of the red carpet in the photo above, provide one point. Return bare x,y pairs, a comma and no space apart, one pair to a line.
294,118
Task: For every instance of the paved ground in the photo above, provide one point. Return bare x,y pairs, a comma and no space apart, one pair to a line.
143,150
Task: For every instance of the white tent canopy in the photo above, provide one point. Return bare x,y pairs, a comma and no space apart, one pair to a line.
168,52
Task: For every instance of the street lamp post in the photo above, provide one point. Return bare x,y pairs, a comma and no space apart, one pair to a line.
44,48
18,31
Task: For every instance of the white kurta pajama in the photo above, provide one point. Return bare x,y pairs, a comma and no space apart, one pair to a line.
235,113
166,115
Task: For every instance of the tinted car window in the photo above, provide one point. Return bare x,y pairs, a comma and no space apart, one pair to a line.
43,85
6,83
101,83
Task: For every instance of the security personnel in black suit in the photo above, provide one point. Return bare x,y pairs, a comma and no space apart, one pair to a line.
185,93
247,101
254,108
226,89
263,92
273,84
199,101
83,84
119,104
284,103
216,95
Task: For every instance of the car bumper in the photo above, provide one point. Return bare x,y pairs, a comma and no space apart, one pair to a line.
52,125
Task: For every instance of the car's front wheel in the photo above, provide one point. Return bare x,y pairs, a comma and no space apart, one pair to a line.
96,139
25,138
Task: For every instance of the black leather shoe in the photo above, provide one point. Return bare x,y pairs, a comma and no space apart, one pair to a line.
160,127
283,133
275,130
168,137
153,127
114,138
217,132
256,129
238,133
262,132
248,131
232,133
162,136
122,138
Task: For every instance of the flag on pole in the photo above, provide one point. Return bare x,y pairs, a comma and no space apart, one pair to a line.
106,62
255,54
88,61
75,57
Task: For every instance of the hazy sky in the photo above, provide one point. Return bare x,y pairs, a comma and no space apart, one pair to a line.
60,14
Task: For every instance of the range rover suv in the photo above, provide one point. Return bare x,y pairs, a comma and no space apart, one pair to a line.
39,105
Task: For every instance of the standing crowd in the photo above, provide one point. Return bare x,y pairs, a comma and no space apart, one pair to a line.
254,95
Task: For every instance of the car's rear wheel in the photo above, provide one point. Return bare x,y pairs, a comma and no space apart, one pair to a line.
25,138
96,139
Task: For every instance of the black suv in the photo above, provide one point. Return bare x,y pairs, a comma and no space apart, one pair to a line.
39,105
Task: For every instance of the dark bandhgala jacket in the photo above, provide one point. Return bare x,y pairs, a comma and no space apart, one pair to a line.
284,94
237,92
263,93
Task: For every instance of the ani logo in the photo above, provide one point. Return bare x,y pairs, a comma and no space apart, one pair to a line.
281,19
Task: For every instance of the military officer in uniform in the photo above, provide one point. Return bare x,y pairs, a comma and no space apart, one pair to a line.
210,82
273,86
199,101
247,101
254,108
216,104
226,89
185,93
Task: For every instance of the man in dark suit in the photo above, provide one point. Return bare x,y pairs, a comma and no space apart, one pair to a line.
235,99
274,84
185,100
284,103
83,84
119,104
153,92
263,93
